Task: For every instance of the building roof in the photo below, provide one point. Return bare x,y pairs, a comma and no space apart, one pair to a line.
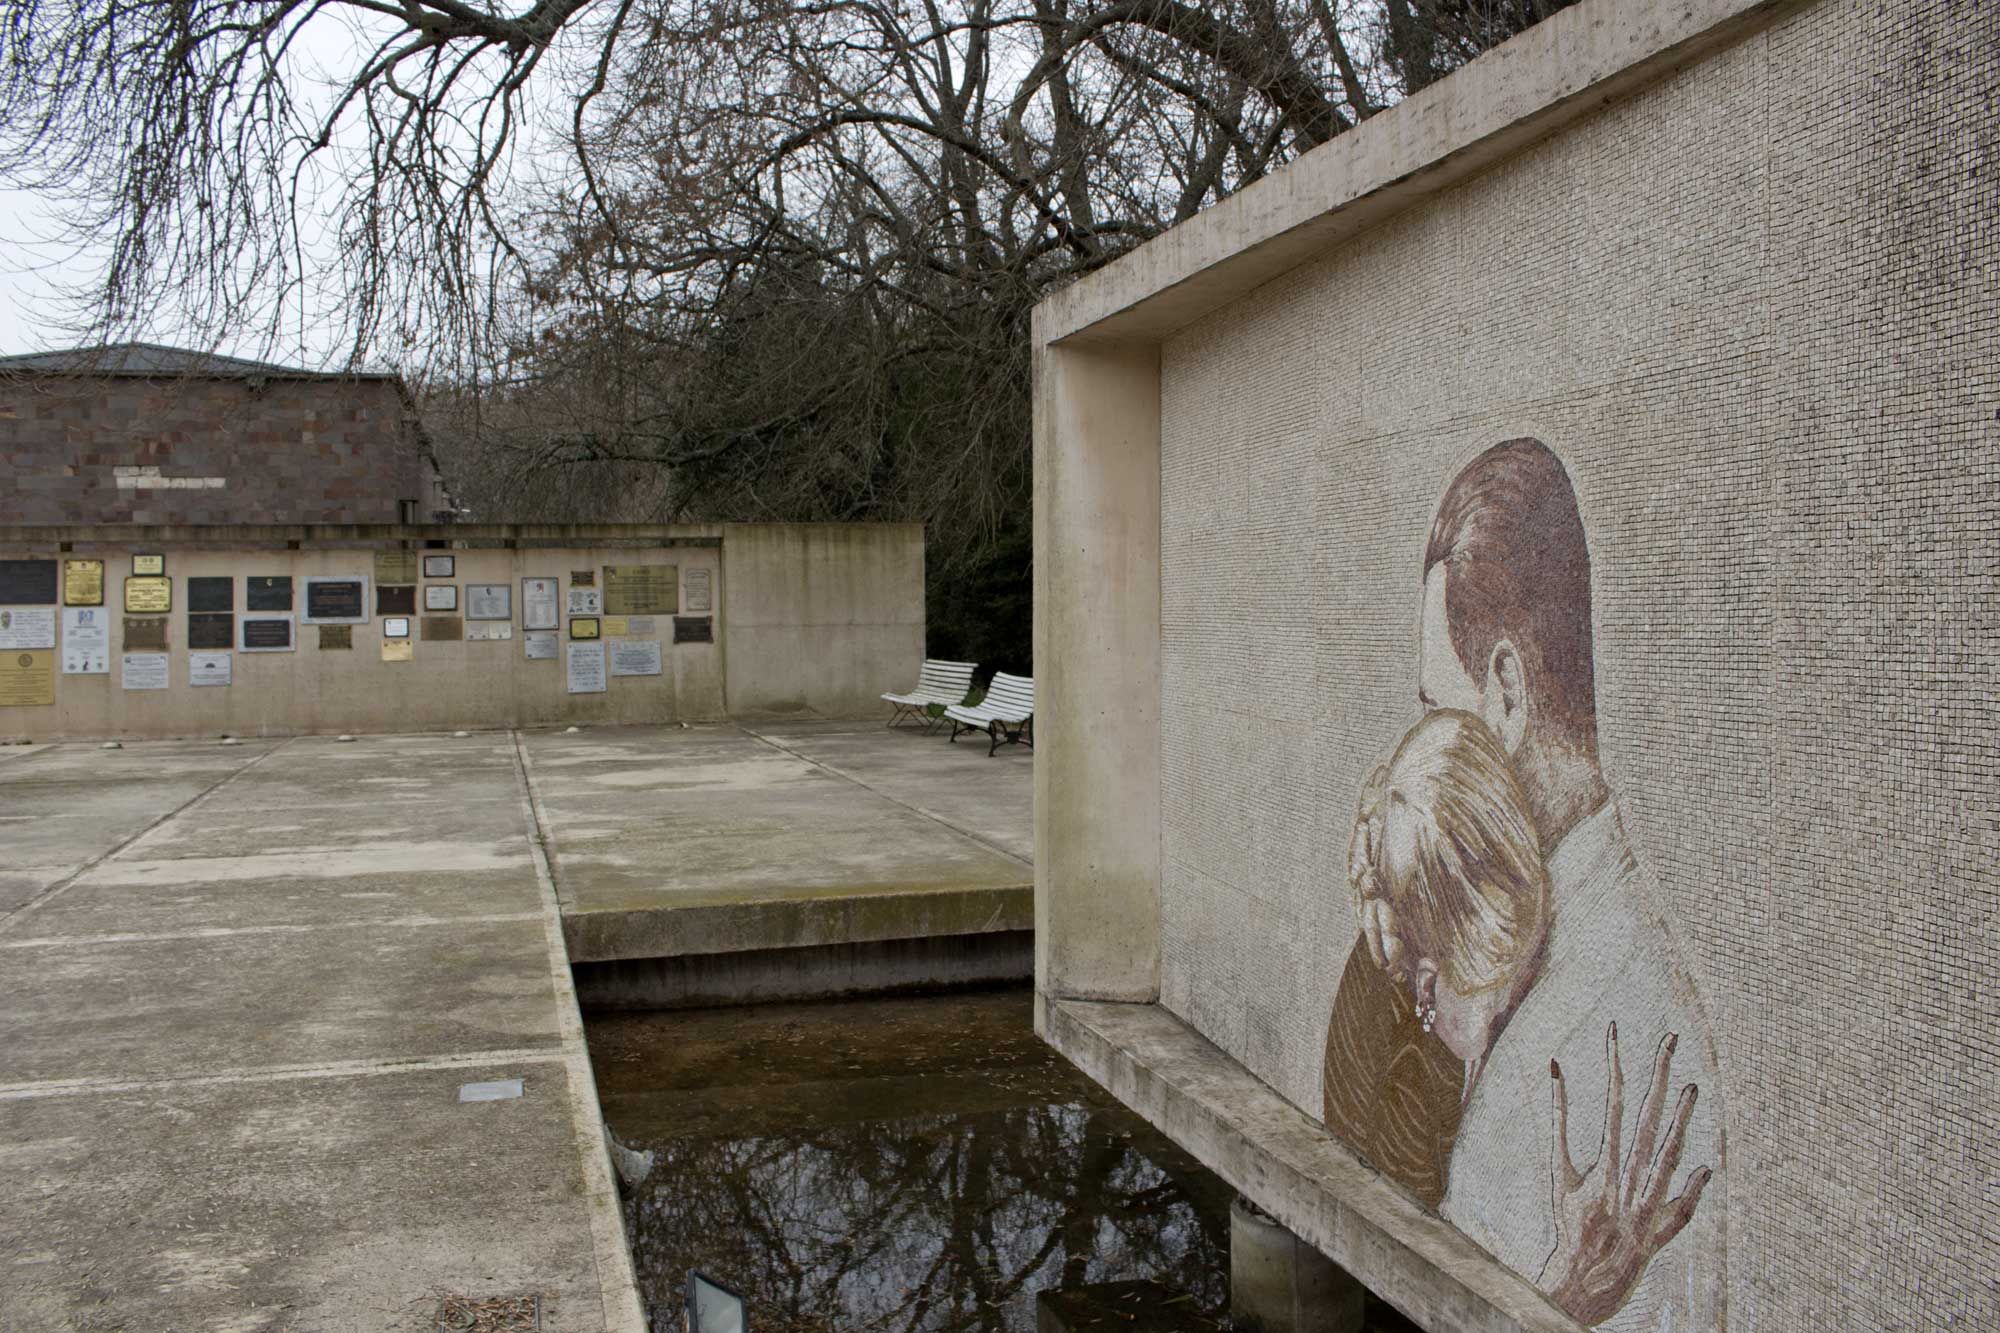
155,361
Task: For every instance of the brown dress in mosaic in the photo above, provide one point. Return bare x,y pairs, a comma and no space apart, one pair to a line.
1391,1091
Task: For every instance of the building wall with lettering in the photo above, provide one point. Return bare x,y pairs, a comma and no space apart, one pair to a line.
371,630
128,449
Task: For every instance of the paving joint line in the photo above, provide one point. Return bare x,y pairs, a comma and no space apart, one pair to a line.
611,1249
102,1084
7,919
979,838
273,928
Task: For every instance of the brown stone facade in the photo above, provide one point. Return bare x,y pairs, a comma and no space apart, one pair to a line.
94,448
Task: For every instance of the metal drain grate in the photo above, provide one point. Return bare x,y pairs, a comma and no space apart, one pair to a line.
491,1314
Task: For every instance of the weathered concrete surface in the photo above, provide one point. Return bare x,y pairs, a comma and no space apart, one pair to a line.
699,840
242,986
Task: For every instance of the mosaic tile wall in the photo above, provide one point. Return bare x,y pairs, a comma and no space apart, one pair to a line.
1755,311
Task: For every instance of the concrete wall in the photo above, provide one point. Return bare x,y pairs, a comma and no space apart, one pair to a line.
1733,266
125,449
822,614
861,611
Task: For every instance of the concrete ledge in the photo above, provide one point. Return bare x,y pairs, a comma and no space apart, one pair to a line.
1560,70
1292,1168
849,916
763,976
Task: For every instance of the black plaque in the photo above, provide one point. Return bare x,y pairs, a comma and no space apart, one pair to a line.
267,592
395,600
267,633
339,599
694,629
211,630
27,582
211,594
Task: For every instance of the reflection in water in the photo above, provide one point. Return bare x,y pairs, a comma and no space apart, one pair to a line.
910,1165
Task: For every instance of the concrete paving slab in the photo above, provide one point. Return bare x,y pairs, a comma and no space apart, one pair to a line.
20,886
158,1008
337,1203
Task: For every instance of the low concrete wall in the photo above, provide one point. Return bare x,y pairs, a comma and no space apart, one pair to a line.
825,639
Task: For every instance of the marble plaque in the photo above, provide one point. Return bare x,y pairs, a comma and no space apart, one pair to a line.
539,645
488,631
540,604
27,627
209,668
396,627
700,589
143,671
586,668
635,657
489,601
440,566
441,597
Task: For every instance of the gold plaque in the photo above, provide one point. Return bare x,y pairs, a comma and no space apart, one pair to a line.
336,637
395,567
153,565
641,590
83,583
583,627
398,650
28,680
148,594
614,627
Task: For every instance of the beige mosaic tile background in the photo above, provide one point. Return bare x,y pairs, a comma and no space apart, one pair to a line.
1756,310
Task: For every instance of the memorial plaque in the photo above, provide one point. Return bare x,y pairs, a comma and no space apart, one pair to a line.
694,629
212,630
145,593
27,679
27,582
641,590
440,566
635,657
83,583
146,632
209,668
398,650
264,634
540,607
336,600
143,671
400,600
584,627
267,592
154,565
585,601
489,601
586,668
583,578
395,567
642,627
336,638
27,627
86,641
211,594
488,631
441,597
700,590
396,627
614,627
443,629
540,645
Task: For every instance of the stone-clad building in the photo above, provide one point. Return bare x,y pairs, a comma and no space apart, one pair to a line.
136,433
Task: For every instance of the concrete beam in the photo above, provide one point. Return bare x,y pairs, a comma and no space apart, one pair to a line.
1289,1166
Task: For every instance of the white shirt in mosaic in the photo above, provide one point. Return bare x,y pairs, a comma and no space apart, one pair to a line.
1611,958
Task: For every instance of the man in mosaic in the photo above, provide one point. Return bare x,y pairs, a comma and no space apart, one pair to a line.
1507,638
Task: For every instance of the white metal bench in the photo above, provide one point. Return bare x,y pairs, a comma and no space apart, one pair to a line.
1006,714
937,683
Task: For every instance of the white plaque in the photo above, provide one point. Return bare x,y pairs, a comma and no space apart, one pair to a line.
144,671
635,657
27,627
208,668
586,667
700,592
541,644
487,631
586,601
396,627
489,601
440,597
86,641
640,627
540,604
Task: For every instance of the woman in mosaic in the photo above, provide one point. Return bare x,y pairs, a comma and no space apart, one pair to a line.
1455,910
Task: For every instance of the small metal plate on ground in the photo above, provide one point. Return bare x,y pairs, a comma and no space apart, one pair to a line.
492,1314
497,1090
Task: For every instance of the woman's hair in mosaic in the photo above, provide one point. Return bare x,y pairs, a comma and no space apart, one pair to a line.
1471,893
